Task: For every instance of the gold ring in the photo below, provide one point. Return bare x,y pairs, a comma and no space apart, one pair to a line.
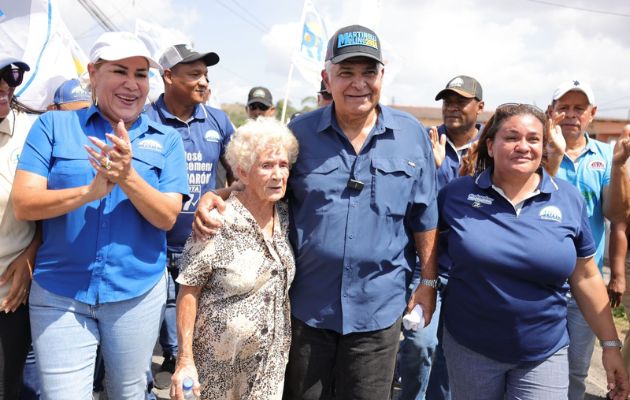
107,164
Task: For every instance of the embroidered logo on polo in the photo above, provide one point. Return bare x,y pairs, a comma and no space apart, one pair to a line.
597,165
551,213
479,199
212,136
150,144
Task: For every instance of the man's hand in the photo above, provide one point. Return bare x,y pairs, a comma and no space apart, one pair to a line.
439,146
424,296
621,151
19,273
205,226
616,289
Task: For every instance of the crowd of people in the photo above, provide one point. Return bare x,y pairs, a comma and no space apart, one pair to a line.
278,262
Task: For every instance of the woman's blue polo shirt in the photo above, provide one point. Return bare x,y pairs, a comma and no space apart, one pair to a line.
103,251
506,294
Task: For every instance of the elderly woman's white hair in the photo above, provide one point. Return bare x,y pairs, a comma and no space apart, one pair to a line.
257,136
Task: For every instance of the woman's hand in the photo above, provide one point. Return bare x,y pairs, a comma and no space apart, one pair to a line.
616,374
100,185
185,368
114,161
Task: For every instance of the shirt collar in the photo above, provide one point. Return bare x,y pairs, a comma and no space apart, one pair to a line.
139,127
6,126
384,120
198,112
474,139
546,185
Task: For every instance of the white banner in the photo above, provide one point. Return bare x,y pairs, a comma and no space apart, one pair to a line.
33,31
309,60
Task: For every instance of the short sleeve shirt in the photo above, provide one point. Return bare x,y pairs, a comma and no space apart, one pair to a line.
105,250
590,174
353,219
15,235
506,296
205,135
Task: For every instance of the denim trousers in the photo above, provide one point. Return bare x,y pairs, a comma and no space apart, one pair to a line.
473,376
324,364
66,334
581,345
421,363
168,328
15,339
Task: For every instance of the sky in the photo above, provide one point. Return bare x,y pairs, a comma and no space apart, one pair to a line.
519,50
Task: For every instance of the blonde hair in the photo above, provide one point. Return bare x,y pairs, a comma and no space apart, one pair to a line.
256,136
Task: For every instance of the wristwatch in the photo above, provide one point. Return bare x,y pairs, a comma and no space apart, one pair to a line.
611,343
434,283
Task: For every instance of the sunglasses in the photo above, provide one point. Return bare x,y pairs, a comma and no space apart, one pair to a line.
326,95
11,75
258,106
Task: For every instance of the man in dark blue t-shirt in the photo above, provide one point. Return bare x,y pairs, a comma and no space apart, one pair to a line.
206,132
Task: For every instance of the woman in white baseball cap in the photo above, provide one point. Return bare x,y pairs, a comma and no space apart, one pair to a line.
107,183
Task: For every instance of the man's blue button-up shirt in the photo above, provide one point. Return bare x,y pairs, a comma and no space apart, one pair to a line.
354,247
103,251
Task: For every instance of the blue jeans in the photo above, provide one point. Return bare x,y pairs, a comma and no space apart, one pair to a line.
168,329
474,376
421,362
67,332
581,344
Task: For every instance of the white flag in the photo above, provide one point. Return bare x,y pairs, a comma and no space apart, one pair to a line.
309,60
33,31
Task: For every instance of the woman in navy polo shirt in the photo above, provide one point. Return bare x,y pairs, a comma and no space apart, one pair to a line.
518,239
107,183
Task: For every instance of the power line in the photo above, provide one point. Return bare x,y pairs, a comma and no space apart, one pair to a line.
253,22
549,3
251,15
99,15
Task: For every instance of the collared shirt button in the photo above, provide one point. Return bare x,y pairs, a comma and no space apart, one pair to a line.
350,236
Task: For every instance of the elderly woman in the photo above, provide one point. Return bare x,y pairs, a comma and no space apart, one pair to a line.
233,317
18,241
515,237
105,201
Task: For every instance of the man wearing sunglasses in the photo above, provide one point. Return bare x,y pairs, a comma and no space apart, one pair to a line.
18,241
598,171
206,132
260,103
324,97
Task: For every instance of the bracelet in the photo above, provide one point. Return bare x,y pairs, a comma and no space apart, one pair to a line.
611,343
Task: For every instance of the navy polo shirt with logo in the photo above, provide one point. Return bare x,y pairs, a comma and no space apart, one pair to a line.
354,241
590,174
103,251
205,135
506,294
449,170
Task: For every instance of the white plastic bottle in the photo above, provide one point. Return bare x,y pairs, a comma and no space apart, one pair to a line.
187,388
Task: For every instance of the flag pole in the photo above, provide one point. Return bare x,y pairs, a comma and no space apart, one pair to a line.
291,66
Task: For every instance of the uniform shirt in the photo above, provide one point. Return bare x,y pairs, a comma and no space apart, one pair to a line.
354,248
506,295
590,174
205,136
15,235
448,171
105,250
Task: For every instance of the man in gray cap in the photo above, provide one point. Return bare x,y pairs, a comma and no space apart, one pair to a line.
206,132
421,364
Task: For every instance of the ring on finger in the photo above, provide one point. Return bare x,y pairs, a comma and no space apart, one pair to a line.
107,163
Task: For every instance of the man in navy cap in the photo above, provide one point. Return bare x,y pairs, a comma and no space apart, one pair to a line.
365,176
206,132
69,96
259,103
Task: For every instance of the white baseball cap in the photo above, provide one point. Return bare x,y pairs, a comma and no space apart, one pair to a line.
111,46
576,85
